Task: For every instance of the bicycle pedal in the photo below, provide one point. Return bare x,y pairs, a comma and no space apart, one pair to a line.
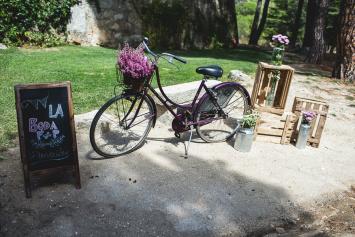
177,135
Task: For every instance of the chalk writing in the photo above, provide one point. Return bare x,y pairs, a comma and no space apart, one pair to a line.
58,113
35,103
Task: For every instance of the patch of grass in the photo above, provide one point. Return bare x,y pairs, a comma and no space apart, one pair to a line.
333,114
91,71
352,105
351,98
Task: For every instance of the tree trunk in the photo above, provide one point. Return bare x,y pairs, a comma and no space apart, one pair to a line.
308,34
254,26
262,21
296,26
344,67
316,53
212,23
232,25
197,24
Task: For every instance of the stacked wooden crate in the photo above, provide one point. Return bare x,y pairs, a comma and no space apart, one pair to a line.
273,125
320,108
262,87
276,129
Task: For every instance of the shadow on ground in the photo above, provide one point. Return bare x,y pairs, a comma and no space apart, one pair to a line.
151,192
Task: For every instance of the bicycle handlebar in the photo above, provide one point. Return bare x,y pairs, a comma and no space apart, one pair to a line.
180,59
157,56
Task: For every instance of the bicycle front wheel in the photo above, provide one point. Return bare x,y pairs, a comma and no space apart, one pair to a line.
121,125
213,125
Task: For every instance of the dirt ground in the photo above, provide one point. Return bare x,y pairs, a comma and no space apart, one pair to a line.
274,190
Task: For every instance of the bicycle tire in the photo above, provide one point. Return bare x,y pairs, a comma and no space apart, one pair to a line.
118,113
207,117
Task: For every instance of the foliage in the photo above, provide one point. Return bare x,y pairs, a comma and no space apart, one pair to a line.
163,22
281,18
249,120
332,26
35,38
133,63
245,15
35,21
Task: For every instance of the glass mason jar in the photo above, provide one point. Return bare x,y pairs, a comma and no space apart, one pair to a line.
277,56
302,136
271,96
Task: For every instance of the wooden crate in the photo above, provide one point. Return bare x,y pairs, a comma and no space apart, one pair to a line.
276,129
317,106
262,87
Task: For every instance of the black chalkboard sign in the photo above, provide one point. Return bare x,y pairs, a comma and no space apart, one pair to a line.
46,129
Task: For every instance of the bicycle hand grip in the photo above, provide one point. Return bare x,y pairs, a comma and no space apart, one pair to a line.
180,59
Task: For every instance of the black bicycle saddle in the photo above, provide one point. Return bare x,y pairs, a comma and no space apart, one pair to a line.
212,71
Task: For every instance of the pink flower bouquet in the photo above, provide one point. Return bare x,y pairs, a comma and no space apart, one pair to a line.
307,117
280,40
133,63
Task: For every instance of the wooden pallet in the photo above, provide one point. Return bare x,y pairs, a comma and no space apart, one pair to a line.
262,86
276,129
319,107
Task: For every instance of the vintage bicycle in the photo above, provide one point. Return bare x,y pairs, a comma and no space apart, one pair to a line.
122,124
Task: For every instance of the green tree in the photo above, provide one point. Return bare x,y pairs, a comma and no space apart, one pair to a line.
258,26
19,19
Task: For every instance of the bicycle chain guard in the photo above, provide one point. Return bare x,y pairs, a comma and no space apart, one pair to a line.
180,125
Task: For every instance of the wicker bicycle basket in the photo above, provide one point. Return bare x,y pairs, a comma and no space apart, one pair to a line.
134,84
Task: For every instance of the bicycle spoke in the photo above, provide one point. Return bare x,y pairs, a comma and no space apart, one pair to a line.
212,124
110,134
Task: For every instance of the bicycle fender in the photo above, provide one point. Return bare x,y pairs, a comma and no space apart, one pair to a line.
223,84
154,108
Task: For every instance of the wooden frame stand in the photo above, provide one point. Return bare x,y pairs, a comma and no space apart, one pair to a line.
262,88
317,106
46,131
276,129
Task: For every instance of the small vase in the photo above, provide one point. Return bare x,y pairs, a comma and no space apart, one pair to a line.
244,139
277,56
302,136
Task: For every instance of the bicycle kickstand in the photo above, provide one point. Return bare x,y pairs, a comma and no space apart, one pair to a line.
188,144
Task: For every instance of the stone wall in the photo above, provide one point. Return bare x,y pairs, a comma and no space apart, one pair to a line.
104,22
182,24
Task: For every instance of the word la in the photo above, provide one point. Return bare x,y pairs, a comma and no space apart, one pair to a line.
59,111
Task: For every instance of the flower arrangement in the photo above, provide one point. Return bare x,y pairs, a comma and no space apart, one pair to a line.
278,43
280,40
307,117
133,63
249,120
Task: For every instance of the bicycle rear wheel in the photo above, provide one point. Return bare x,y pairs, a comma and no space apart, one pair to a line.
212,125
121,125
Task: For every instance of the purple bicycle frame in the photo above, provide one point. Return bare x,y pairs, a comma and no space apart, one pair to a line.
191,108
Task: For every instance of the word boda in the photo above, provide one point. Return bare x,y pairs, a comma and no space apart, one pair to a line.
46,129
